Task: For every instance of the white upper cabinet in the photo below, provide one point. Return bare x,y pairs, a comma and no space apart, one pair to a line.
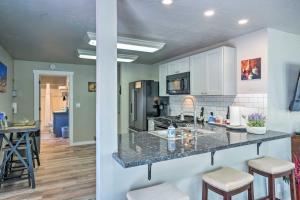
214,72
163,73
179,66
198,74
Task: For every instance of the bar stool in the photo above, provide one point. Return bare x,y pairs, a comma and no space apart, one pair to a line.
163,191
227,182
274,168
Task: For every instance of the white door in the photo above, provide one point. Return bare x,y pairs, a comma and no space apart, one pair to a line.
198,74
163,72
214,71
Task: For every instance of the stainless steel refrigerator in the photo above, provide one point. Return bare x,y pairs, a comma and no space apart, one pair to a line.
143,103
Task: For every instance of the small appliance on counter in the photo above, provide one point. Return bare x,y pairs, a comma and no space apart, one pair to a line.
161,104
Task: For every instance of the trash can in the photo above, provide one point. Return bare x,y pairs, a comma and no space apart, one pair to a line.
65,131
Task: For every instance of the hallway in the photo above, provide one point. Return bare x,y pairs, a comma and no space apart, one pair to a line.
65,173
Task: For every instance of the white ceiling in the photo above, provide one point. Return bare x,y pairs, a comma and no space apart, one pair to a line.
52,30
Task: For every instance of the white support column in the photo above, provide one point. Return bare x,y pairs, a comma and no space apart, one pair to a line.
106,97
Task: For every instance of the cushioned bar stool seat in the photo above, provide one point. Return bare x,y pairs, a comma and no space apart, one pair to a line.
227,182
163,191
273,168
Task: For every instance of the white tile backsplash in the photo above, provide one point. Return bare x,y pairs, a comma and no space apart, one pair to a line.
218,104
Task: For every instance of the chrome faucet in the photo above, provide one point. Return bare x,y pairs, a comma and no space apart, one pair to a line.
194,107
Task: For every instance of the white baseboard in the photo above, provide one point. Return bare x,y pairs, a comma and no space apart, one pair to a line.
83,143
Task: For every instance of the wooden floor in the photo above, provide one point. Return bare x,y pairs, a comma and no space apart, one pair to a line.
65,173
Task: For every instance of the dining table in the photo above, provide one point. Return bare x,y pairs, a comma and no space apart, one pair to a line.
21,135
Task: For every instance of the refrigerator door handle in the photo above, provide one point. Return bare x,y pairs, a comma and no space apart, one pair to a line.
135,106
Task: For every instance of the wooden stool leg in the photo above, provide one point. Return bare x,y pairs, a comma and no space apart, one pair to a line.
271,185
292,185
227,196
204,191
251,192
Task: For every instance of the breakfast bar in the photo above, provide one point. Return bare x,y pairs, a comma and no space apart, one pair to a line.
146,148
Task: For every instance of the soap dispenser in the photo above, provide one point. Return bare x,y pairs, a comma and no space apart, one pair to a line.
171,131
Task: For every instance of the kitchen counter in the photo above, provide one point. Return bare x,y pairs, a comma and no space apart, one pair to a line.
143,148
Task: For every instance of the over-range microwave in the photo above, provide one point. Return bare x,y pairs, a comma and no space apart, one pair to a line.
178,83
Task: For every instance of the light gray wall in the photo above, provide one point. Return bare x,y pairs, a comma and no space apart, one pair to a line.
130,72
6,98
84,117
284,66
252,45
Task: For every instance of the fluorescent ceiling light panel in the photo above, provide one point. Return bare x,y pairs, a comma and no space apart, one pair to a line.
91,37
130,44
139,45
126,58
87,54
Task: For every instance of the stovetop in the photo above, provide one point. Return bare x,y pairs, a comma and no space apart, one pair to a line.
165,122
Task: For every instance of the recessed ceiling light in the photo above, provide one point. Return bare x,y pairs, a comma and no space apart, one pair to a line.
209,13
167,2
243,21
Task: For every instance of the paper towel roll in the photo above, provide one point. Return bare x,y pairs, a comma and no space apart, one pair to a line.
235,117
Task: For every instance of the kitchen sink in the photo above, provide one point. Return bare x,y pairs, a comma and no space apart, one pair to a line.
164,134
181,132
198,130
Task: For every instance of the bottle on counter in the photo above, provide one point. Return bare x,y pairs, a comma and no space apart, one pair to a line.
211,118
171,131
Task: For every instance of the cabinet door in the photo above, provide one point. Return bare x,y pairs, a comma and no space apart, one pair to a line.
214,71
182,65
179,66
171,68
198,74
163,72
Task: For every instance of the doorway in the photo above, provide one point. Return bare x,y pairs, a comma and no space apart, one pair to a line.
54,106
53,103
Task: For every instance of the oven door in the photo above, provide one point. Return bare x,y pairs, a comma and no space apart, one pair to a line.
178,84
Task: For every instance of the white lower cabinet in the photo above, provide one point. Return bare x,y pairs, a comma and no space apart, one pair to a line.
214,72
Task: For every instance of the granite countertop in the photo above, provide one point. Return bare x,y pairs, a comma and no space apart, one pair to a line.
142,148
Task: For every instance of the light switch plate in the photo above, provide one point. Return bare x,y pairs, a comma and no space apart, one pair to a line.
77,105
